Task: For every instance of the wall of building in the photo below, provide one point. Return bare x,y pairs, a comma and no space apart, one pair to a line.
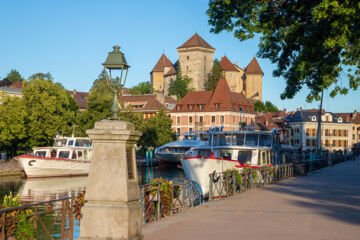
168,80
253,85
157,81
196,63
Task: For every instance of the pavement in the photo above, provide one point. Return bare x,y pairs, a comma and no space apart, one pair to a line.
325,204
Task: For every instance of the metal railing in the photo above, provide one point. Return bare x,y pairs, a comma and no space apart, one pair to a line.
224,184
60,209
157,201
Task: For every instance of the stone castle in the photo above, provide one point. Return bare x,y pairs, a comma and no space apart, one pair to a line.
196,59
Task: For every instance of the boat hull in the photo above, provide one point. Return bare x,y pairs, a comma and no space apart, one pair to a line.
170,157
36,167
198,169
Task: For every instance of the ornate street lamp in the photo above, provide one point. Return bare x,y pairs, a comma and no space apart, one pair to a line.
116,61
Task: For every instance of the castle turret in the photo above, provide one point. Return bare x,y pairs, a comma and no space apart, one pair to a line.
196,60
253,81
162,67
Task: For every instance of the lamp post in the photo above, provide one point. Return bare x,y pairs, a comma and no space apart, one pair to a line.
115,61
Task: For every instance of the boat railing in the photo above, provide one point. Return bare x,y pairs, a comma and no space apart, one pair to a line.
225,184
161,198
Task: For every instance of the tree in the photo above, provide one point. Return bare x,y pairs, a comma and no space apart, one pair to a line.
157,130
13,131
314,43
5,82
259,106
14,76
180,87
48,110
44,76
142,88
215,75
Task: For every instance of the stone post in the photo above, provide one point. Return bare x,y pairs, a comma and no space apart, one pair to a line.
112,209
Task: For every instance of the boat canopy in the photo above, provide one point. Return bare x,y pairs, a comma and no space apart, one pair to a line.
236,138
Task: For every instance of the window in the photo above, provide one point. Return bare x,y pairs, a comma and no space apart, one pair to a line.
353,137
307,132
187,57
222,119
213,119
201,119
187,68
251,139
190,107
334,143
334,132
297,130
178,130
345,132
80,155
265,140
70,142
308,142
339,131
201,107
217,106
190,129
238,139
178,120
64,154
178,108
83,143
190,120
313,118
244,157
40,154
327,118
340,119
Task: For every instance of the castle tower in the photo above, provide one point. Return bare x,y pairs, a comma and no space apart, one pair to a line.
233,74
196,60
253,81
157,75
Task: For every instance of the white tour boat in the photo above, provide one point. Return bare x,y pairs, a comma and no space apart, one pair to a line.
230,150
70,156
174,152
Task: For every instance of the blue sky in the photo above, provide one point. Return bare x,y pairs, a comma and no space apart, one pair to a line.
70,39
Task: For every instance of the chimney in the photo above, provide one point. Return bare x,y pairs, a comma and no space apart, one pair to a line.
74,92
284,110
160,97
354,114
300,108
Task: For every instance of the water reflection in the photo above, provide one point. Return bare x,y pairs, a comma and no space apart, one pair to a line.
170,172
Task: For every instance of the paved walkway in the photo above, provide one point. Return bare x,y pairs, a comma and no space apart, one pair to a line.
323,205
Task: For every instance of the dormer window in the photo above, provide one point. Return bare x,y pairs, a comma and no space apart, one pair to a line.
190,107
340,120
201,107
178,108
313,118
217,106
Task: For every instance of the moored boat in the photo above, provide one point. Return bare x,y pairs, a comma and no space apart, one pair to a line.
174,152
230,150
70,156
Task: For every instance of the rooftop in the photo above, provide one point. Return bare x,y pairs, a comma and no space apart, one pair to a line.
196,41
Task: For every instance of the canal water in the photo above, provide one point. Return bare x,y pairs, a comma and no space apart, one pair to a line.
44,189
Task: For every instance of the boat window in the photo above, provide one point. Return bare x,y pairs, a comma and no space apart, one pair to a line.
70,142
86,155
265,140
244,157
80,155
74,155
204,137
263,157
53,153
40,154
226,153
83,143
251,139
238,139
60,143
205,153
190,137
222,140
64,154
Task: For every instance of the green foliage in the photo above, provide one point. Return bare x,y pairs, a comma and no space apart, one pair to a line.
180,87
11,201
314,43
14,76
215,75
48,111
13,131
157,131
259,106
142,88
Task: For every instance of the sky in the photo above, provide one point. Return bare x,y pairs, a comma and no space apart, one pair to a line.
71,39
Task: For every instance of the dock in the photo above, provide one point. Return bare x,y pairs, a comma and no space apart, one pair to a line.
325,204
10,168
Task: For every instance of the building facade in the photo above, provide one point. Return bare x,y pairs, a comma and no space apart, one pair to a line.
201,110
335,131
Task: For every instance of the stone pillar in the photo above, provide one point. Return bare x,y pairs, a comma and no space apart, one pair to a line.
112,210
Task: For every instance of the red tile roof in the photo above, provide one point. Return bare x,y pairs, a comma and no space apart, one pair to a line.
16,85
172,71
80,98
253,67
226,65
221,99
162,63
196,41
150,103
169,99
350,117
